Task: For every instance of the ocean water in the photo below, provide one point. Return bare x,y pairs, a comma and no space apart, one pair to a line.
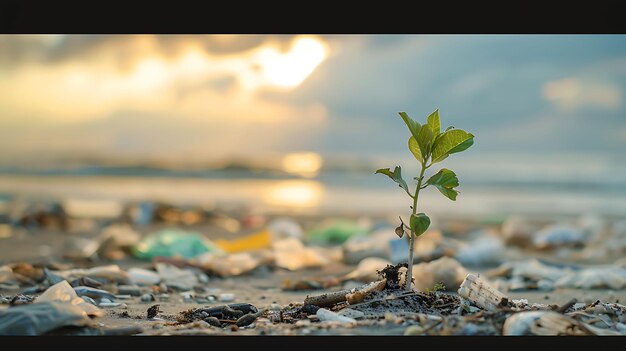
490,189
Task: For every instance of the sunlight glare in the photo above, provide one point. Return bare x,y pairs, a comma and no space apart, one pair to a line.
306,164
294,193
290,69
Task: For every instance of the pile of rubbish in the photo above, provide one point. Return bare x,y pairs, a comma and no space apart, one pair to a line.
162,256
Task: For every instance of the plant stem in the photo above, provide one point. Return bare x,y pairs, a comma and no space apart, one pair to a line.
409,276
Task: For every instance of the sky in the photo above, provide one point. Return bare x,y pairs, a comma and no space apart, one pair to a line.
201,98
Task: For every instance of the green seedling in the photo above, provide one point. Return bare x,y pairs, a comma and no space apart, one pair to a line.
429,146
437,287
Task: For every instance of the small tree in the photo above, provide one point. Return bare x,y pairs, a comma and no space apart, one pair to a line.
429,146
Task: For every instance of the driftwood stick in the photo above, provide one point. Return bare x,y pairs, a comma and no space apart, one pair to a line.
333,298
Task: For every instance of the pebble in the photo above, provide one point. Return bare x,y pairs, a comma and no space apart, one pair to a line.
163,287
187,296
147,298
132,290
164,297
203,278
227,297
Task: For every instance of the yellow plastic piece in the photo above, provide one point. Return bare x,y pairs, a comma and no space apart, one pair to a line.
250,242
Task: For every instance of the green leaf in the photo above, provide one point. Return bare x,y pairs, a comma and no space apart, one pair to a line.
433,122
396,176
415,149
424,140
419,223
463,146
445,180
448,142
414,126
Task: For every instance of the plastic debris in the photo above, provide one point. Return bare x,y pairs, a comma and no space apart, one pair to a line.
173,243
142,276
177,278
256,241
40,318
63,292
335,232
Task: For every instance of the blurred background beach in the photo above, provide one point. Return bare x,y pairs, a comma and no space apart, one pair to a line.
300,122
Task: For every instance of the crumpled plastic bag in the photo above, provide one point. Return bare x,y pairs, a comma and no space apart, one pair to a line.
63,292
39,318
174,243
335,232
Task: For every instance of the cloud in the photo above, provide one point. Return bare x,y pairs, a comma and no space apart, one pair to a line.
571,94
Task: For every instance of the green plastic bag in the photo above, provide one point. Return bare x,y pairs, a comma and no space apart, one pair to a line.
335,232
172,243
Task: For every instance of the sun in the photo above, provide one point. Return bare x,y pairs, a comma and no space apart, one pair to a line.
290,69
